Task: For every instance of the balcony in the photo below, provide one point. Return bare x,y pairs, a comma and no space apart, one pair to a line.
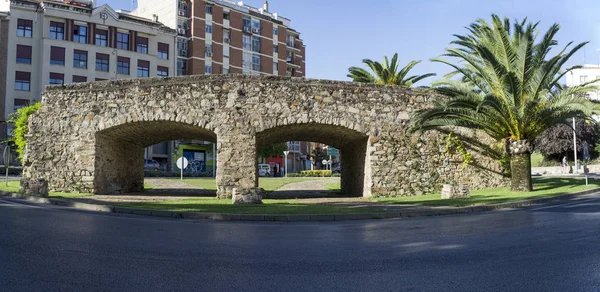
183,12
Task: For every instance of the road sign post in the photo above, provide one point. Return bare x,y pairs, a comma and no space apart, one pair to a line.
6,157
285,170
182,163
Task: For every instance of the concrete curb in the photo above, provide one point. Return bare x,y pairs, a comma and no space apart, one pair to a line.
294,217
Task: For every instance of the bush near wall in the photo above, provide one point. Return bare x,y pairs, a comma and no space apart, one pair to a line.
315,173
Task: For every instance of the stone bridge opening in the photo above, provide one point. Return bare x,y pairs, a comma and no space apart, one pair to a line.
119,151
355,173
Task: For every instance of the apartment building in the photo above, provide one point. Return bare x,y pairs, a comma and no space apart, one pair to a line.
583,75
3,60
59,42
223,36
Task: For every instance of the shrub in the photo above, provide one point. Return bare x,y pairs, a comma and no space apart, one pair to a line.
336,175
316,173
21,121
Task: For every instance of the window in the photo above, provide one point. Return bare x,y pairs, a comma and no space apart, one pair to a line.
22,81
246,23
246,63
79,79
275,48
57,78
225,70
207,69
583,79
80,59
102,62
225,52
255,43
99,79
122,41
123,65
181,67
57,30
162,71
225,15
143,69
209,9
255,23
19,103
80,34
275,30
256,62
57,56
208,50
101,38
290,41
24,28
163,51
23,54
208,28
274,67
226,35
142,45
246,42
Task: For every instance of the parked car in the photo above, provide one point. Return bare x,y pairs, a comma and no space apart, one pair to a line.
264,170
151,164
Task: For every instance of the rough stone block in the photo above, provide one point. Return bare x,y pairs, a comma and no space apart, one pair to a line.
455,191
35,187
247,196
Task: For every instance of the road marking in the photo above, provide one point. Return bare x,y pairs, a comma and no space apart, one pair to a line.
4,203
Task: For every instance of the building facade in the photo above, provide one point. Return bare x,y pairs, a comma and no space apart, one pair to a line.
4,18
223,36
583,75
59,42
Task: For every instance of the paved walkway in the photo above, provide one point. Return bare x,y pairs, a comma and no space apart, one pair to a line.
306,189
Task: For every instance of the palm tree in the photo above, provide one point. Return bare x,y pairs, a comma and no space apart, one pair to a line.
509,88
386,73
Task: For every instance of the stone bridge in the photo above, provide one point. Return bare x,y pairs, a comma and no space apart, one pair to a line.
91,137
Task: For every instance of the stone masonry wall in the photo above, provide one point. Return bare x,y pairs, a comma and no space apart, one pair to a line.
87,137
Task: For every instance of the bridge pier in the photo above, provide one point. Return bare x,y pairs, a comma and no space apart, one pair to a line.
236,163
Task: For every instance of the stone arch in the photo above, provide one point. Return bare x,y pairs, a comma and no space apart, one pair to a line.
119,151
351,143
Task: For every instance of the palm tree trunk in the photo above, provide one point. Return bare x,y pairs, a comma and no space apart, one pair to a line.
520,165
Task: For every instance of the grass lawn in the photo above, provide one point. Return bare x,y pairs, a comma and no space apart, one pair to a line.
336,186
14,186
543,187
268,183
212,205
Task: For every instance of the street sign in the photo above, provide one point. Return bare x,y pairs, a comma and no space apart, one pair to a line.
325,161
332,151
182,161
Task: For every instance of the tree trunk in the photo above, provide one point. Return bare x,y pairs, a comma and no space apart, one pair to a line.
520,165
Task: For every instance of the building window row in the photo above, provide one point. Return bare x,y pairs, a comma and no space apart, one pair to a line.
57,79
24,54
80,35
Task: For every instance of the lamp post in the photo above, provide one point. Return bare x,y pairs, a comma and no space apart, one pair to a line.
285,154
575,148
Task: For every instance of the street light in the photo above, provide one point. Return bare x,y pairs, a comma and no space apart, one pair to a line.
285,169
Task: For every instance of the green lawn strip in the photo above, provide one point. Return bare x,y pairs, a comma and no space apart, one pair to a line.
211,205
336,186
14,187
543,187
268,183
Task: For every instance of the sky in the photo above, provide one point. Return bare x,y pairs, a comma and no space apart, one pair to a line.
338,34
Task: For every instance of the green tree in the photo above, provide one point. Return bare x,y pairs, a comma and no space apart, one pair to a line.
21,121
319,154
386,73
272,150
508,87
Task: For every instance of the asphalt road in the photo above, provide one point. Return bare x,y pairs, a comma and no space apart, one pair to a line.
551,248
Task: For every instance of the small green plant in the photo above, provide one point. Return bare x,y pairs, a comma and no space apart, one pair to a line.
316,173
454,145
21,121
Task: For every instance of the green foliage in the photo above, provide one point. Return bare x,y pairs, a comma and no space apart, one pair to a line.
508,86
20,119
454,145
319,154
272,150
386,73
315,173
